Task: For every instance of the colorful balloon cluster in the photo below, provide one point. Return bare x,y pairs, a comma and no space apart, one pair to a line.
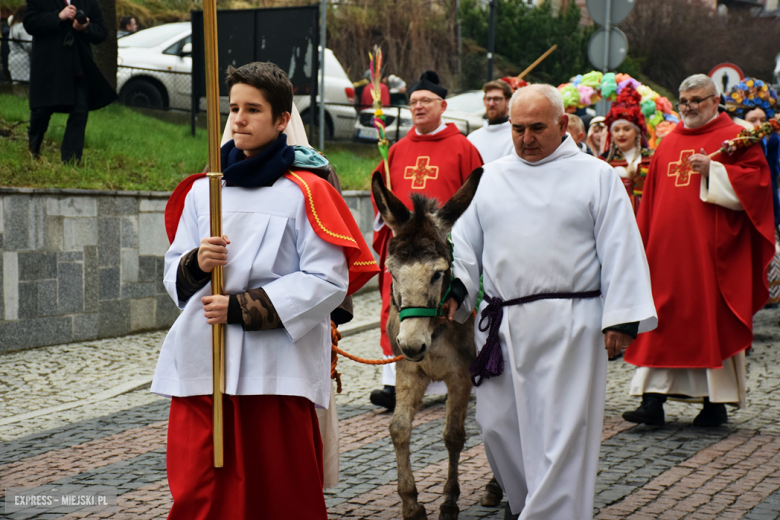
588,89
749,94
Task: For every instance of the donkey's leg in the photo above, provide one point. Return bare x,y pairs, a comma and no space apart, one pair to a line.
458,390
409,391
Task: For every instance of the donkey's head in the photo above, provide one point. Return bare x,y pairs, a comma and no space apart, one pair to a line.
419,257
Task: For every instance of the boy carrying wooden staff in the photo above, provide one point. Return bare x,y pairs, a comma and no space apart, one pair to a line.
291,251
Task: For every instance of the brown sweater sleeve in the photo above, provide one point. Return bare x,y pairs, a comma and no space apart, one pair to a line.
189,276
254,310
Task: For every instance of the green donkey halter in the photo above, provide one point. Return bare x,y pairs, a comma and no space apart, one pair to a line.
430,312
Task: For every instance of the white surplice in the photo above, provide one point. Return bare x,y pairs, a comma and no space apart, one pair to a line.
493,141
719,385
273,246
328,418
562,224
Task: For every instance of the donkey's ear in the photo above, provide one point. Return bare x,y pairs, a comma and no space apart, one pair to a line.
459,202
393,211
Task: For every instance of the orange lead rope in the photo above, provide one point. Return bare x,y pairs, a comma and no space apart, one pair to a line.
335,336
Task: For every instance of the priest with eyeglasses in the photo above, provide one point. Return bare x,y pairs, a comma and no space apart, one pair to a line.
707,224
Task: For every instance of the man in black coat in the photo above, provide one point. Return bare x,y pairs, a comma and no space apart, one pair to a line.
63,76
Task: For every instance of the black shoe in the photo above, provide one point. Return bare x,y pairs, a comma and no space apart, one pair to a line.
650,412
34,154
711,415
508,513
384,397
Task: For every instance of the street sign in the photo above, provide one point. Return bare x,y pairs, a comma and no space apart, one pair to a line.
619,10
618,48
725,76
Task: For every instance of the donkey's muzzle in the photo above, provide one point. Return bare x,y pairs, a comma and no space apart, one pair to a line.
415,358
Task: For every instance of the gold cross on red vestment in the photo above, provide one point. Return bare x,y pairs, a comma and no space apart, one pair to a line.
421,172
682,169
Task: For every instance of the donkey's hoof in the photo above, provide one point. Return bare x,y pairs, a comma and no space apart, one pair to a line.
417,513
449,511
492,495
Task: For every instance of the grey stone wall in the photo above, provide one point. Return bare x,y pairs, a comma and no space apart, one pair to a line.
80,264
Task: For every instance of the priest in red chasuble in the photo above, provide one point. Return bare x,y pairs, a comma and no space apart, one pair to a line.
707,226
433,159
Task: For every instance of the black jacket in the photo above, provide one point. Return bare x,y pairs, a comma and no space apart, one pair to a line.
53,64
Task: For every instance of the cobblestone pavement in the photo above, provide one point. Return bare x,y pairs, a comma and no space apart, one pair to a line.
81,414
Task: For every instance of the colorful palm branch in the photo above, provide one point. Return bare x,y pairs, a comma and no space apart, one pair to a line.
748,138
375,66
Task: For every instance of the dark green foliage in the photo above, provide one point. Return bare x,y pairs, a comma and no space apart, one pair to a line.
524,33
672,39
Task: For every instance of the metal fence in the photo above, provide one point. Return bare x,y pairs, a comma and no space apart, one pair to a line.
172,90
156,88
15,60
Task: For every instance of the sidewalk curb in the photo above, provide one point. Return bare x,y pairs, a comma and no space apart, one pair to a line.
136,384
101,396
351,331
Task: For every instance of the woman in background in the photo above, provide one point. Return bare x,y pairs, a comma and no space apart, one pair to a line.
754,101
626,148
20,45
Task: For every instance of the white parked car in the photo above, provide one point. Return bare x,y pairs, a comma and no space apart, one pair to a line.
155,71
466,110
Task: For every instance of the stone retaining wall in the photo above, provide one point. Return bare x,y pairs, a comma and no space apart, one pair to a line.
77,265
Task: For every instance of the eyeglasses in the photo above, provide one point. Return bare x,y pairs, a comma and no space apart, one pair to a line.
426,102
692,104
492,99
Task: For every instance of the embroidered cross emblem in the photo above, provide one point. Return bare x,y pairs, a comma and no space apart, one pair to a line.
421,172
682,169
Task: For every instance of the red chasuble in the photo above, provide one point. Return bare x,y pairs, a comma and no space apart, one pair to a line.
328,215
434,165
708,264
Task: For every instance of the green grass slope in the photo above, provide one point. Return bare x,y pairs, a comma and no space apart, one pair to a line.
125,150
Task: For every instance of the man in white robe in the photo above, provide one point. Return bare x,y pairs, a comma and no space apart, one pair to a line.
549,220
494,139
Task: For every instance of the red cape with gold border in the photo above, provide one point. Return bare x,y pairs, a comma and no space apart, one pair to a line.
328,215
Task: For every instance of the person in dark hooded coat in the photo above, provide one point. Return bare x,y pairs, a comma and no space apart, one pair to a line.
63,75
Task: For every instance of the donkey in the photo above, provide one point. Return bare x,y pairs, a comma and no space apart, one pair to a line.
419,260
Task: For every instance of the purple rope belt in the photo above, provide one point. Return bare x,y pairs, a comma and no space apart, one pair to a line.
490,361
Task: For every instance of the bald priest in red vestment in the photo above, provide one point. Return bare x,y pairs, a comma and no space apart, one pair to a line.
707,226
434,159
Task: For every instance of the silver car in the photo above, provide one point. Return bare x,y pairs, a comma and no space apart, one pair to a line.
155,71
466,110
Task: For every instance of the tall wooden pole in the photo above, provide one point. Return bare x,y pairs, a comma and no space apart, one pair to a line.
491,39
537,62
215,196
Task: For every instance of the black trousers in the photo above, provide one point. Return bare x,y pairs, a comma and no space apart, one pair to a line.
73,142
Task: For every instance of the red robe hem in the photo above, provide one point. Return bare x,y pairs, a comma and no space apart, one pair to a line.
272,460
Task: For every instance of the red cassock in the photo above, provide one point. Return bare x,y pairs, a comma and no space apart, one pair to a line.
707,263
434,165
273,467
273,460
